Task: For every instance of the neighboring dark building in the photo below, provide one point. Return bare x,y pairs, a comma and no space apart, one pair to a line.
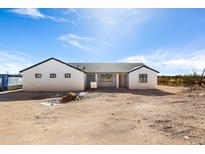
9,82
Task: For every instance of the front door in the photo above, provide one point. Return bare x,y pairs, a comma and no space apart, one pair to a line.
122,81
90,78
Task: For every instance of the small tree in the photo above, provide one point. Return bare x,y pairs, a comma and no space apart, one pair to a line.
202,76
198,79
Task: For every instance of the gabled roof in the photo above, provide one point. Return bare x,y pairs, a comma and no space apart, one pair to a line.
106,67
99,67
48,60
141,67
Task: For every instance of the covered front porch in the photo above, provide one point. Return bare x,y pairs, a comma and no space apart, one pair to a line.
108,80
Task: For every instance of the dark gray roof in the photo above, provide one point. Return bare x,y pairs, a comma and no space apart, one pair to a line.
99,67
106,67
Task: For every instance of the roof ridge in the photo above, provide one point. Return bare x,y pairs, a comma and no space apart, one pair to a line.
99,67
100,63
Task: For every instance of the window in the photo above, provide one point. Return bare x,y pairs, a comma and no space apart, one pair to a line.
142,78
106,78
67,75
38,75
52,75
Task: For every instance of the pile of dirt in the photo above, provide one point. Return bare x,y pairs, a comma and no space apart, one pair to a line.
71,96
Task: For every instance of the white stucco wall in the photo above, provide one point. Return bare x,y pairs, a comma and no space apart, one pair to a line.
60,83
133,79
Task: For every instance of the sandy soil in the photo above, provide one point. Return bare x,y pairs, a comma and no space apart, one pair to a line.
164,116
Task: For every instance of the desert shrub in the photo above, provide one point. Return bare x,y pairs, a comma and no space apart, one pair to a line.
181,80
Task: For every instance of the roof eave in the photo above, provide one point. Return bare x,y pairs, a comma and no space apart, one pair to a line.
141,67
49,60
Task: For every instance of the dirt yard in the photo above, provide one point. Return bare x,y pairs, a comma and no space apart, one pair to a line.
164,116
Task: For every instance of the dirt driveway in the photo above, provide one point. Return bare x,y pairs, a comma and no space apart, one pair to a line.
164,116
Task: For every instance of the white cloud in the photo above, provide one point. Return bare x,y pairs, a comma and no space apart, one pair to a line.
133,59
111,26
197,58
77,37
29,12
120,17
13,61
171,62
78,45
59,19
110,18
78,14
36,14
80,42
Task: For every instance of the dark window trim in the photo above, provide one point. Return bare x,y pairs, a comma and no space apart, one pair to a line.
67,74
36,75
53,74
141,80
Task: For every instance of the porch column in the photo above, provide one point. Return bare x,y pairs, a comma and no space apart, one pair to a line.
96,77
117,80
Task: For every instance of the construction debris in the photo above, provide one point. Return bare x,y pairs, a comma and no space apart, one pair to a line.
186,137
71,96
51,102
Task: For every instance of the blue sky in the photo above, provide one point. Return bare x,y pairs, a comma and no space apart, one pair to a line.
169,40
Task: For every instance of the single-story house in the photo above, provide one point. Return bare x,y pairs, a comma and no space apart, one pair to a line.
56,75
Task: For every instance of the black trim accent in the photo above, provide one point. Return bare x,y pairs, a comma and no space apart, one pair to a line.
52,75
36,75
48,60
143,66
67,75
